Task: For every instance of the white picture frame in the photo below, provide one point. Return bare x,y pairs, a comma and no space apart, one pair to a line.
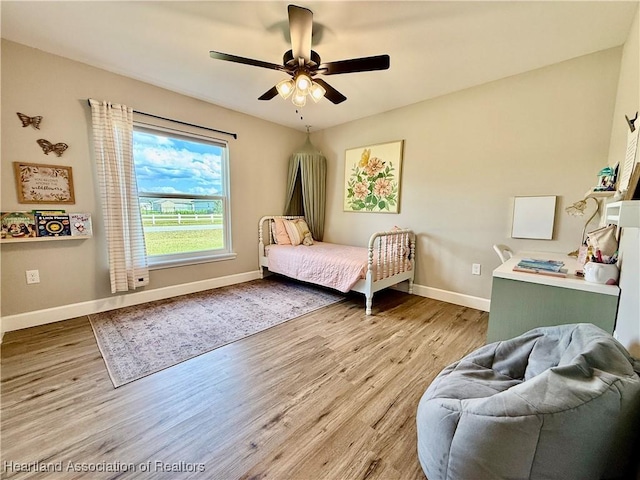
534,217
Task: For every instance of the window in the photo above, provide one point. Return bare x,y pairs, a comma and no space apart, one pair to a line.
183,189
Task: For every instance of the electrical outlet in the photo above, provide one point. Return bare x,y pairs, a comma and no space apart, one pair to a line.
475,269
33,276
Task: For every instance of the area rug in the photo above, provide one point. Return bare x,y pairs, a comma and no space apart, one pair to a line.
140,340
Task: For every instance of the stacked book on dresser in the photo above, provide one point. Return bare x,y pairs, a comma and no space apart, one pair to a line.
553,268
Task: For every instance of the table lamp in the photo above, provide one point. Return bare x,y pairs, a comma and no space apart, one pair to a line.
577,210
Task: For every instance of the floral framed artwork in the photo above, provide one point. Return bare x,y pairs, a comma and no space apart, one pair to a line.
39,183
372,178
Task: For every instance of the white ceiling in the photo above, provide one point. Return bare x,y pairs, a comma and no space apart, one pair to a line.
436,47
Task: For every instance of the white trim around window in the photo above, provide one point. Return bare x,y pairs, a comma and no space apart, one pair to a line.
179,199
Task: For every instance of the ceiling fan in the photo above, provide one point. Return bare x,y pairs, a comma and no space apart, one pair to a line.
303,64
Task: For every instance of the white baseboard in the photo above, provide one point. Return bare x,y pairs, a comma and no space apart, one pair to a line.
65,312
449,297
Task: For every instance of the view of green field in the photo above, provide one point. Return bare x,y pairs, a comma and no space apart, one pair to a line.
181,241
181,237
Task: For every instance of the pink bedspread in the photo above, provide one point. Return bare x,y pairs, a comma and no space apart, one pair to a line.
327,264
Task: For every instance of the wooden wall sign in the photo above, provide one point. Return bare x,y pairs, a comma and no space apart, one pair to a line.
38,183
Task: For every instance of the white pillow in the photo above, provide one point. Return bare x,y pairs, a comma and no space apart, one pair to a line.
298,232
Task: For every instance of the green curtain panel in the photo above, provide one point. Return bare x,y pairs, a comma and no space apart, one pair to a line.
306,187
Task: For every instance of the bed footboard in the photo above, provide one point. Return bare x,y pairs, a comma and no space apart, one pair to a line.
391,260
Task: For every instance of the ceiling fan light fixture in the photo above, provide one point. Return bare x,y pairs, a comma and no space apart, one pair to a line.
303,83
302,64
299,98
285,88
317,91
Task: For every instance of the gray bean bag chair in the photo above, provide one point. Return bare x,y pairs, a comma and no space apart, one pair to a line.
554,403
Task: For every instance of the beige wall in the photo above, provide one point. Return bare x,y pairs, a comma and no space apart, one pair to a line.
467,154
627,103
37,83
628,94
545,132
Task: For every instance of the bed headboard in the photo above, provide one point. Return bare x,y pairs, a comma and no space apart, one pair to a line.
265,237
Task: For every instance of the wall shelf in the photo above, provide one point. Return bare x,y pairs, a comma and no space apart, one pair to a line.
599,194
625,214
44,226
6,241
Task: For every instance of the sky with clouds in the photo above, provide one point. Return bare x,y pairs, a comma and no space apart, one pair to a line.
172,165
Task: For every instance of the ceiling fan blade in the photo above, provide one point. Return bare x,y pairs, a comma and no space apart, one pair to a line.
246,61
300,29
331,94
364,64
268,95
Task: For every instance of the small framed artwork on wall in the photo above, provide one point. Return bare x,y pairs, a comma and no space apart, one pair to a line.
372,178
39,183
533,217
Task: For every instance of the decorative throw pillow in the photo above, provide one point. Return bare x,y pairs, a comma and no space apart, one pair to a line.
279,230
298,232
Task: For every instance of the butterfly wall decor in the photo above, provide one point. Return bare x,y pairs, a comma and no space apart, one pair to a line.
47,146
27,120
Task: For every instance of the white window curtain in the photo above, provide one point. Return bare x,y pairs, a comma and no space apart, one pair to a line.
113,144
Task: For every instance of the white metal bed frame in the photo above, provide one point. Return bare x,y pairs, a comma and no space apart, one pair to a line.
389,267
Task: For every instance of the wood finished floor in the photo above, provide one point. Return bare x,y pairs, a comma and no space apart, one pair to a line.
330,395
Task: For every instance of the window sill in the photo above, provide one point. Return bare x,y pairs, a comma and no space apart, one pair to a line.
183,262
